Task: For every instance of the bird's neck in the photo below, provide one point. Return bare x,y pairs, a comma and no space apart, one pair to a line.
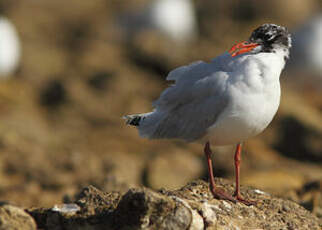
282,52
271,64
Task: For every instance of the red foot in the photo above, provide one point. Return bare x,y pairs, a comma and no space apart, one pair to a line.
222,195
239,198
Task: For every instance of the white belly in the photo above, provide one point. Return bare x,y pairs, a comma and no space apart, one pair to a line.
246,116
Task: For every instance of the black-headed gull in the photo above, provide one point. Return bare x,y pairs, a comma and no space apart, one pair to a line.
226,101
9,47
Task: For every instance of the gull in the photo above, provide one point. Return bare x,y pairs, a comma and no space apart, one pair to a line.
175,19
224,102
9,46
307,52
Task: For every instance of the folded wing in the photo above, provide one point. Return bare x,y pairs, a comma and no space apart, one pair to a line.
187,108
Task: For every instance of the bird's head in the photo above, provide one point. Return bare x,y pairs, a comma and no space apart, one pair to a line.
267,38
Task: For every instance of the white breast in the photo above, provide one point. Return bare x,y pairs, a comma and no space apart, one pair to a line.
254,93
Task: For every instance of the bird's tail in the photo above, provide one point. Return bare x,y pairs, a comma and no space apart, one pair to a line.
135,119
146,123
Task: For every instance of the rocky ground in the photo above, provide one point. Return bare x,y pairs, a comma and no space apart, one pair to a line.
191,207
61,128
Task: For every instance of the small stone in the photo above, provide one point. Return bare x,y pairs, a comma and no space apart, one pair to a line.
260,192
285,208
66,208
226,205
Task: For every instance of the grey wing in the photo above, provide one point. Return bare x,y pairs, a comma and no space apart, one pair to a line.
200,69
187,109
197,75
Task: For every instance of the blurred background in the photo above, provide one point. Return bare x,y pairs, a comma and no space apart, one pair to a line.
69,71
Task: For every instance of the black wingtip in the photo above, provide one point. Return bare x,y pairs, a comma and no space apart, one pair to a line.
132,120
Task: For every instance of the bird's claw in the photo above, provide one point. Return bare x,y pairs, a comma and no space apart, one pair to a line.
222,195
240,199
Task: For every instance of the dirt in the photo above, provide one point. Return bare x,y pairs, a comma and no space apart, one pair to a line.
61,128
191,207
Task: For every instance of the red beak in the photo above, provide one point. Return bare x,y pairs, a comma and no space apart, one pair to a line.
241,48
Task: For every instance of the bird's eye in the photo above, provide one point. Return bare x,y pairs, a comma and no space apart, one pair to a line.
268,37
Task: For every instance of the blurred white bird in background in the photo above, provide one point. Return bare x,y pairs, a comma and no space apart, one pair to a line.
175,19
307,47
10,51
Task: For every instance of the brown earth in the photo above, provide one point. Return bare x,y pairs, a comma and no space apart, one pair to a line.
191,207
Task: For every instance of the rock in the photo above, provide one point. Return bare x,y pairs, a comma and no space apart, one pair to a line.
191,207
12,218
95,208
93,201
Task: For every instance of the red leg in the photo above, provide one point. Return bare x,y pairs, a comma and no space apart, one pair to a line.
237,169
237,173
217,193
